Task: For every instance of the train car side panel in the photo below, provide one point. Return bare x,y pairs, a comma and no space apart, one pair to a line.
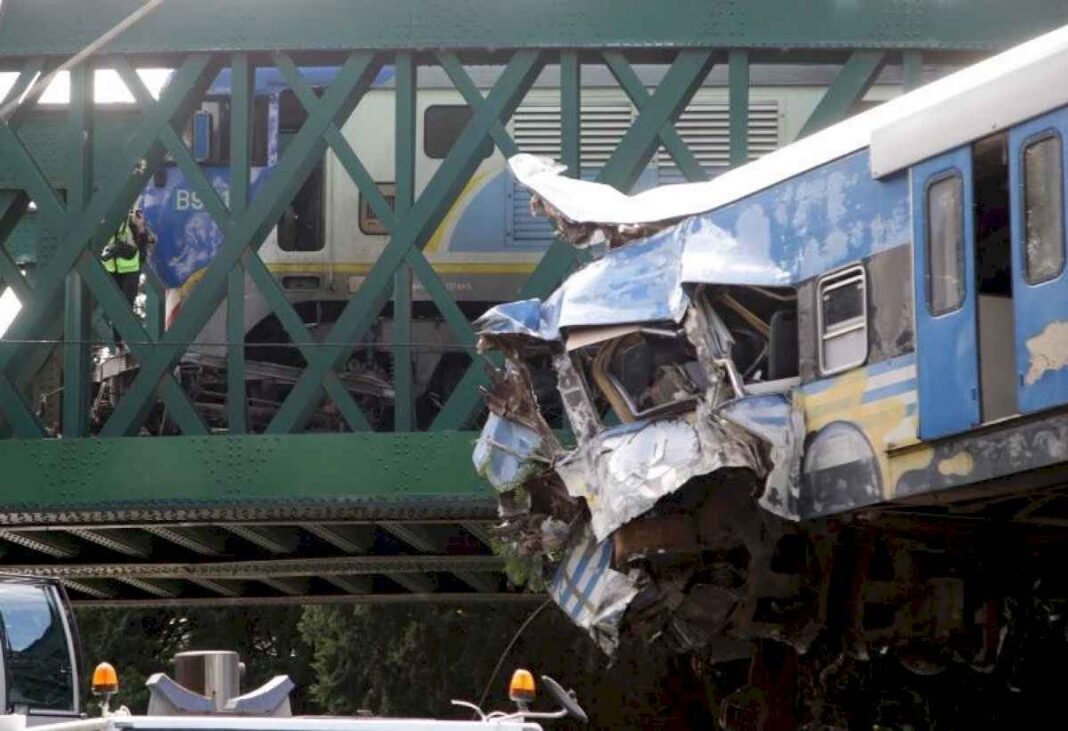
1037,160
948,362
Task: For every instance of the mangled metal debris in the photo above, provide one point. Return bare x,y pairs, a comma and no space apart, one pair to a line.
587,213
665,424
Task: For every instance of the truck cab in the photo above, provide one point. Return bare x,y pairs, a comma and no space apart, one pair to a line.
40,671
39,668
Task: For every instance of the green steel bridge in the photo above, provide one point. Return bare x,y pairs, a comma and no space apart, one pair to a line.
288,515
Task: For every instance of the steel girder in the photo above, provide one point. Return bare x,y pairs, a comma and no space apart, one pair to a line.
319,476
188,562
62,27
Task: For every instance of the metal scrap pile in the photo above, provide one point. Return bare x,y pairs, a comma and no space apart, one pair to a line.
644,501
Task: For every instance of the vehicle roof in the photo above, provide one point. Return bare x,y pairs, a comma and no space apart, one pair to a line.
310,723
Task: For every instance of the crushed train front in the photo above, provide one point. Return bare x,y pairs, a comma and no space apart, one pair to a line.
661,480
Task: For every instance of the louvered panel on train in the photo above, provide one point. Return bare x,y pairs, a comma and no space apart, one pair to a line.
705,128
536,130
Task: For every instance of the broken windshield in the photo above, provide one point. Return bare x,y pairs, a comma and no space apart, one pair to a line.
641,373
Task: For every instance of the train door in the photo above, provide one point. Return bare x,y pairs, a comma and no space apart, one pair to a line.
299,254
1036,165
947,358
994,290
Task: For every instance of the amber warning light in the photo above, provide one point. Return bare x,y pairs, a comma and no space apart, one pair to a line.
521,689
105,684
105,679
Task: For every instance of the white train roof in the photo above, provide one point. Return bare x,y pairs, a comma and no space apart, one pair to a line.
977,101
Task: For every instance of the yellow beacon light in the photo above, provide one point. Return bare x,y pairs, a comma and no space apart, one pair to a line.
521,689
105,684
105,679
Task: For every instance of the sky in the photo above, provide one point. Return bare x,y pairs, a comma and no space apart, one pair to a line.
9,307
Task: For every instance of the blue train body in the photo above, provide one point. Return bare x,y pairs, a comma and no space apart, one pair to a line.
864,334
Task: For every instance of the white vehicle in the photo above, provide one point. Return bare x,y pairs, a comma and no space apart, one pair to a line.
39,685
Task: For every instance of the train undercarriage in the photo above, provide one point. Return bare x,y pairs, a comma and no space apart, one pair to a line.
273,364
204,378
690,528
947,613
942,615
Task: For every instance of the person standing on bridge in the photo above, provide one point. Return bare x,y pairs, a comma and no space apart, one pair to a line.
124,255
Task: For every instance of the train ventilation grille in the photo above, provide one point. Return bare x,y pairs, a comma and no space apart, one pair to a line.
705,128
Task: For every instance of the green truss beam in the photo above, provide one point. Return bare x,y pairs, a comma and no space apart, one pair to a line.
404,147
412,232
242,83
570,112
63,27
118,186
669,136
248,230
738,102
849,86
401,472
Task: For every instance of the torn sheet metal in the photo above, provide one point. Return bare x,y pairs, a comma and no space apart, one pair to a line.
584,201
591,592
581,413
637,284
645,282
832,215
780,423
624,471
506,454
530,318
711,255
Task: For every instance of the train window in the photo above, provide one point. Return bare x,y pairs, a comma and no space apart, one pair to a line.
218,109
260,120
1043,209
442,126
368,220
301,226
843,320
291,112
945,244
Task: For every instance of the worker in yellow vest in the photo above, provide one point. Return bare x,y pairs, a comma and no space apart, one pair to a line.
124,254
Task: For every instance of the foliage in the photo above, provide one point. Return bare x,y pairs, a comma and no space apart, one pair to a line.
412,659
361,652
527,571
142,642
400,659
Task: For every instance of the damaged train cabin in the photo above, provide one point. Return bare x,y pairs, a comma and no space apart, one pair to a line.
846,359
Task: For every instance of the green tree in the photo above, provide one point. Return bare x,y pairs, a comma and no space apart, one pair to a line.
412,659
140,642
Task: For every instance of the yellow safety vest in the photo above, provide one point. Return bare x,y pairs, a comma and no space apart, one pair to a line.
119,265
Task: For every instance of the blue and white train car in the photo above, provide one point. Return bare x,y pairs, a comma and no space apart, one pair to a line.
872,321
488,243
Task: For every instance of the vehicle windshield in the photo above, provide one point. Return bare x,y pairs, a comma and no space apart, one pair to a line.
37,658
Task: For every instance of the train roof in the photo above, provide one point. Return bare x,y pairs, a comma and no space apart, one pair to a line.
982,99
269,79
